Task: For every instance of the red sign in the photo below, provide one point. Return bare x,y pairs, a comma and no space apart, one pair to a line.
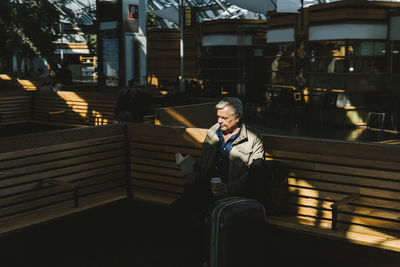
133,12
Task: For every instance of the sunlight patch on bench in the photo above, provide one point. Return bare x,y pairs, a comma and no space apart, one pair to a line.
197,134
27,85
301,208
70,98
179,117
5,77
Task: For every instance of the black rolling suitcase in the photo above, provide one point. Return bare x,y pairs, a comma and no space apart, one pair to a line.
236,233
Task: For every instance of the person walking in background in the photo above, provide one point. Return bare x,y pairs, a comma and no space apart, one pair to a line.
132,103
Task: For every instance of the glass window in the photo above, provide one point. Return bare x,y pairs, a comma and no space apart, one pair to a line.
327,81
396,57
328,64
367,64
367,48
366,82
282,78
281,49
327,49
279,64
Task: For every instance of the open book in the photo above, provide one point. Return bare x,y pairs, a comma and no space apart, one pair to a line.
186,163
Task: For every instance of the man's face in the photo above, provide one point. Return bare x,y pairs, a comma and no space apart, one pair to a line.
227,120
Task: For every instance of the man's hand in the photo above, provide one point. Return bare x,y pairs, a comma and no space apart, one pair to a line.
221,190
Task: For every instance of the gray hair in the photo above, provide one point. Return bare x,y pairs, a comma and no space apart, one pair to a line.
234,103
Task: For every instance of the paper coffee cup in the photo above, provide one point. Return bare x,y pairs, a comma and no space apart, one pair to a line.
214,182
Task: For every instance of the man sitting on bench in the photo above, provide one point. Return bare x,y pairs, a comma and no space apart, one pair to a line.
229,149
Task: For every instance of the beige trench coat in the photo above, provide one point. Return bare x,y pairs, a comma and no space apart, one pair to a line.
247,147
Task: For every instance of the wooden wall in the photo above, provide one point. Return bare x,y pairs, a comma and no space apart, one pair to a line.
163,60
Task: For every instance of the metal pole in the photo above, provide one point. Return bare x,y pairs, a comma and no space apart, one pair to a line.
61,42
181,25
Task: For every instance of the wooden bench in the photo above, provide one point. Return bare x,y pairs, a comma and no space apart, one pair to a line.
15,107
47,176
50,175
356,186
349,191
155,177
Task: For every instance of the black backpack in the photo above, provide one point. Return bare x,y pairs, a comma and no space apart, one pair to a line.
268,184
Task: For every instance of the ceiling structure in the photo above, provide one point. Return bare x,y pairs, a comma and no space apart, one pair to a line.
83,12
78,16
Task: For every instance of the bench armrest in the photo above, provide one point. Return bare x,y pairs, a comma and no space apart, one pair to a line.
67,185
338,204
57,112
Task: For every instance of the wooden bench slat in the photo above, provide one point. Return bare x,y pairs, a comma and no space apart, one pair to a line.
151,185
156,170
25,178
163,135
45,190
346,179
155,162
353,234
291,164
170,147
18,174
58,147
305,193
156,178
338,160
67,196
155,197
350,189
322,204
82,175
137,152
35,217
7,173
332,148
59,155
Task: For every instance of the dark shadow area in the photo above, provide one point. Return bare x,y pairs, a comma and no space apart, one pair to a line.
289,249
122,234
137,234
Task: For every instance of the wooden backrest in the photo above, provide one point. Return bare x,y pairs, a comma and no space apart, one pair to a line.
74,108
15,107
90,158
154,175
322,172
193,116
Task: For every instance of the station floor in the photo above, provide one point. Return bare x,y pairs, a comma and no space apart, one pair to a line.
140,235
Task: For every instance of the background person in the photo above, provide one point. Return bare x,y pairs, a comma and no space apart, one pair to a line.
132,103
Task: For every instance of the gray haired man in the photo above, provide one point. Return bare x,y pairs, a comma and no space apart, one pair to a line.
228,150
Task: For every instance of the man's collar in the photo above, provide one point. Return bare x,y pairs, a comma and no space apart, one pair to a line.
212,133
220,134
242,135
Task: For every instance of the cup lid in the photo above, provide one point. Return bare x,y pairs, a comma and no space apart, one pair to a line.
216,180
